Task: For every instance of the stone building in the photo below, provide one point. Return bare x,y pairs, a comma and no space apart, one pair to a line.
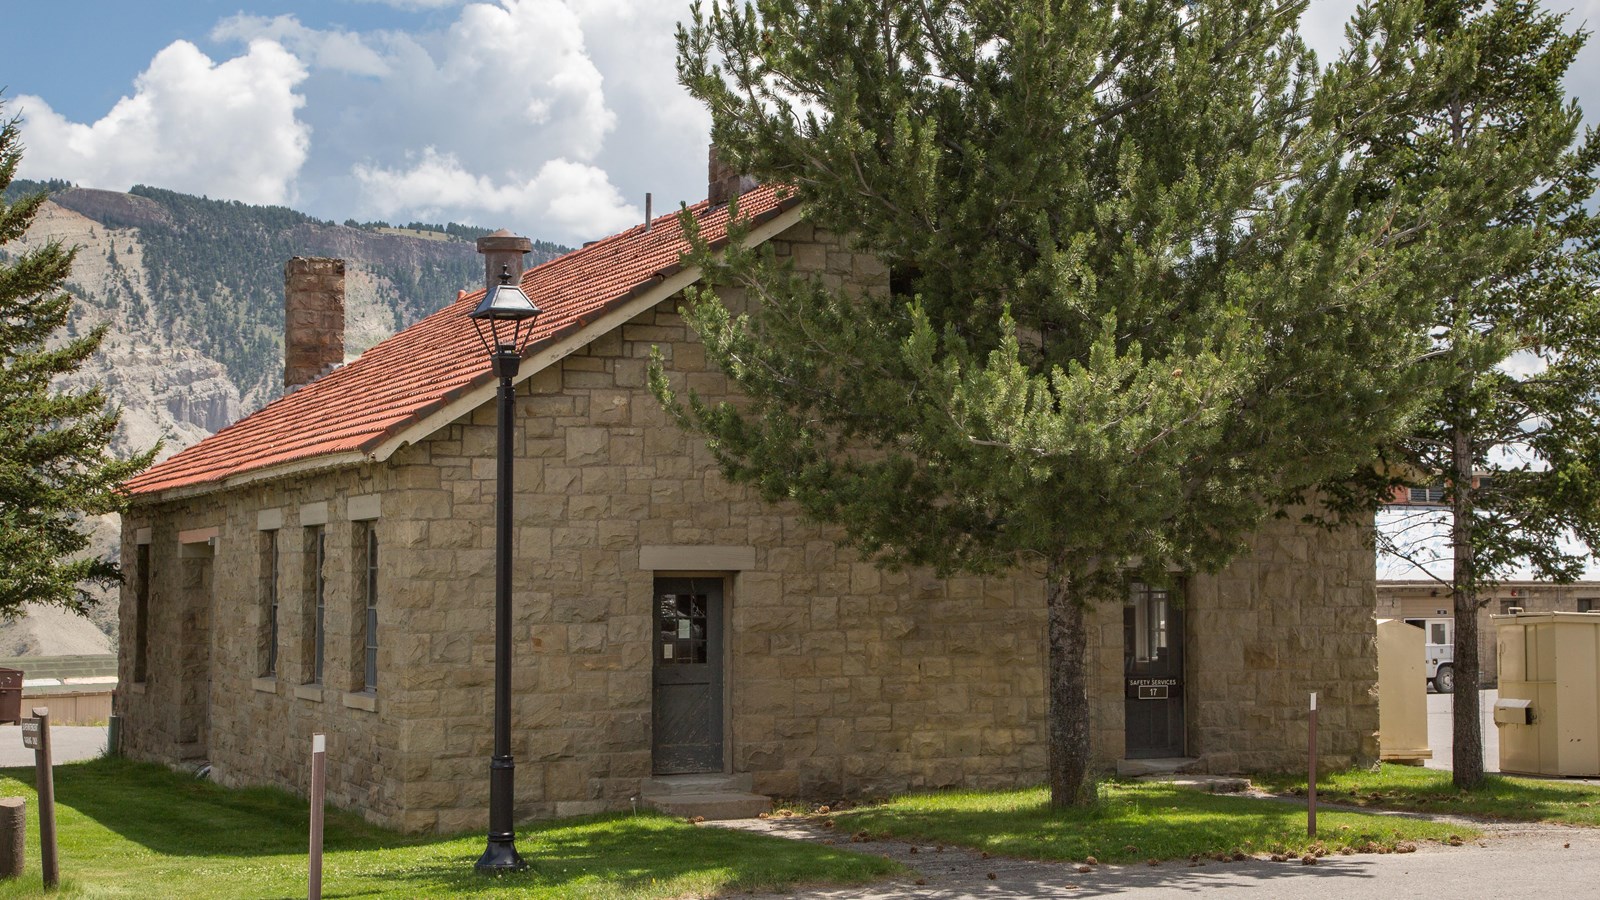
325,565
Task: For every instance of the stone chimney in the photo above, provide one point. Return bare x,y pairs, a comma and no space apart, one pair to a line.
502,249
723,182
313,315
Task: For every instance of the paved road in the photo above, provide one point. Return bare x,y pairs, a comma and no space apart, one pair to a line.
1441,710
68,743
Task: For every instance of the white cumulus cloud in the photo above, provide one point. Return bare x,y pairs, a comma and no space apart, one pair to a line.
416,4
575,198
502,114
340,51
225,129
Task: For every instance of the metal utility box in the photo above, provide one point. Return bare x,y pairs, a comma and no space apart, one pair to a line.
1402,693
10,696
1549,708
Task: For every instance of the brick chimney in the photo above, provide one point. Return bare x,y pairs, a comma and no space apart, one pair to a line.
313,315
723,182
502,249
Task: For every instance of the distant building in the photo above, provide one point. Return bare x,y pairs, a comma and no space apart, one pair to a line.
325,565
1428,599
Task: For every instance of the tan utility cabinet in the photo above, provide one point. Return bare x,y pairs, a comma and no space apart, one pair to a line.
1402,693
1549,707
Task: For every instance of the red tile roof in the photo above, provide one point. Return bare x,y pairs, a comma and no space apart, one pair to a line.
395,384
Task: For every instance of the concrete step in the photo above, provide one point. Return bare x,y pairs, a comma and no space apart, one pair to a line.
1210,784
713,783
1132,768
715,805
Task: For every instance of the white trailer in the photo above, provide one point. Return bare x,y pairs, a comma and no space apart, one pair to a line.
1440,648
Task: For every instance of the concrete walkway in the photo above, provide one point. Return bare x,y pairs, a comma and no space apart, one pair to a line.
68,743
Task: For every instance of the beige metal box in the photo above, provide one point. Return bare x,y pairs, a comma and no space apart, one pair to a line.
1550,680
1402,693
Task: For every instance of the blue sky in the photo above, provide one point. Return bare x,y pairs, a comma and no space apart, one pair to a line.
552,117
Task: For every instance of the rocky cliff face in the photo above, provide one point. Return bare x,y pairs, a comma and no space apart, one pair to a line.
168,391
191,293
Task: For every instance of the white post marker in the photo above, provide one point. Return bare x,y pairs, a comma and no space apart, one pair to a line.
1311,778
319,774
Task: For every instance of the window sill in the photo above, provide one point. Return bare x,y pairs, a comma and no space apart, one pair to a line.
361,700
137,687
312,692
266,685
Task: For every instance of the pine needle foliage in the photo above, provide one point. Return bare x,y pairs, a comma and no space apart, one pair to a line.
1153,283
55,463
1513,428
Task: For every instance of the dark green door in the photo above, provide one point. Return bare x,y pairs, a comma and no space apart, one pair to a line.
687,732
1152,657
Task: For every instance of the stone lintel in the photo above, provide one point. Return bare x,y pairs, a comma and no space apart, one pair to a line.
696,557
364,507
198,535
269,520
314,514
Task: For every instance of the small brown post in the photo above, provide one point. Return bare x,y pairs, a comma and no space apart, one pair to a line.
45,784
319,774
1311,779
13,836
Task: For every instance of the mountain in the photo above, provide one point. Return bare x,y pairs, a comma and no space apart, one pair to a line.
192,291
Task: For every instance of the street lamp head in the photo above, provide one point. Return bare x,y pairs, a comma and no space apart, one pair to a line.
504,318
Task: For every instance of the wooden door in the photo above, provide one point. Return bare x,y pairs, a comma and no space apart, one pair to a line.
687,725
1152,655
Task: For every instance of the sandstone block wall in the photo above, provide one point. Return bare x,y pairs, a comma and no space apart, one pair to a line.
841,679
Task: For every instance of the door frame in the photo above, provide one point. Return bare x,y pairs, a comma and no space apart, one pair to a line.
727,581
1178,614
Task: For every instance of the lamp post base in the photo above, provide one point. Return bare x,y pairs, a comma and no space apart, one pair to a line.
500,856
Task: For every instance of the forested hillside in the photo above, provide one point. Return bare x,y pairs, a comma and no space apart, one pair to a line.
212,272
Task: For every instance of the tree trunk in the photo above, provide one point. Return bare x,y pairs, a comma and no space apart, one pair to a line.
1069,697
1466,757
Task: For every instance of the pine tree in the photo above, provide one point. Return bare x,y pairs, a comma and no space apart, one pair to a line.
56,467
1514,428
1152,285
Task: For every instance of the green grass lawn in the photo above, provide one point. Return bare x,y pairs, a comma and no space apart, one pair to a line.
1429,790
1134,822
135,830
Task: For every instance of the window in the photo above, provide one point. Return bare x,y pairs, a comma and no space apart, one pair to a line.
316,602
367,643
1427,494
1506,606
141,614
1586,605
1438,633
1151,608
269,603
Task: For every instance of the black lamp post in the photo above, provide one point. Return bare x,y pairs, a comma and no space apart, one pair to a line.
504,321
